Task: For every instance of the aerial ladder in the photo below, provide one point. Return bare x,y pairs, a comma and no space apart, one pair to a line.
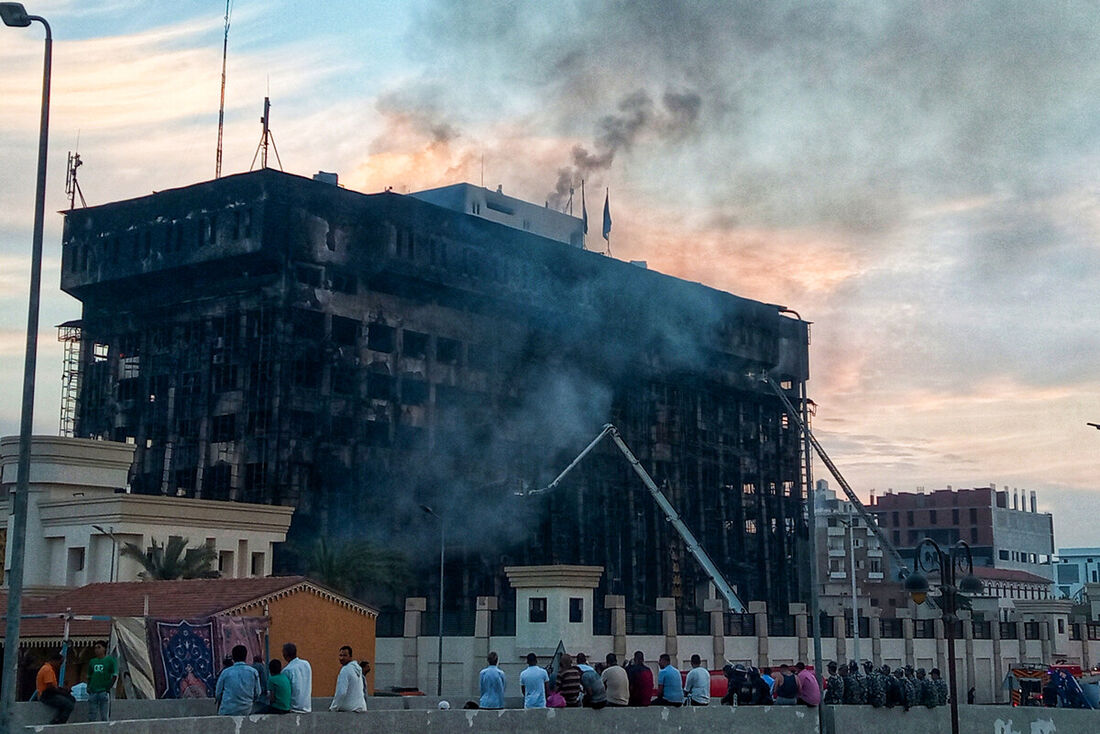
673,516
872,523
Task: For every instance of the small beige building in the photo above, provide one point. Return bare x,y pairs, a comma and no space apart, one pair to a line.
81,513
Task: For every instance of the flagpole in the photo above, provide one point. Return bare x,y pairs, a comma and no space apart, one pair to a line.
584,216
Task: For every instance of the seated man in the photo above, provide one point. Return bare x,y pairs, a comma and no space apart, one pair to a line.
670,687
51,693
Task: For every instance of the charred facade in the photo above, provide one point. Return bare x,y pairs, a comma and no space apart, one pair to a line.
268,338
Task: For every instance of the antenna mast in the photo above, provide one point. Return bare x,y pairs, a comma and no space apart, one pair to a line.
266,138
221,106
72,186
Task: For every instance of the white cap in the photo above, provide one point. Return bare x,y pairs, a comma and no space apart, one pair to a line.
443,705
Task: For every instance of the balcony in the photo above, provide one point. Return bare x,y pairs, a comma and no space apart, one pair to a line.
837,553
838,530
874,552
874,575
838,574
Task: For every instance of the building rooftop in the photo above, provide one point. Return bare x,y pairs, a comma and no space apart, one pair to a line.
988,573
180,599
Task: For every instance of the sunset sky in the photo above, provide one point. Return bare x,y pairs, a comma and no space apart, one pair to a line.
918,179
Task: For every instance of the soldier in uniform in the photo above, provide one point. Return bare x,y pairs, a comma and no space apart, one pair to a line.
941,687
876,690
926,691
834,687
858,682
912,690
846,677
895,692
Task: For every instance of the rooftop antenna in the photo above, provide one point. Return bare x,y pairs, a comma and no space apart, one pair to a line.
72,186
267,138
221,106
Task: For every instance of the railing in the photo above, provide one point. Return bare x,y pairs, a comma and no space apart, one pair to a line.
1075,631
924,629
781,625
1008,630
1031,630
693,623
892,629
644,623
502,623
983,630
739,625
455,623
1093,629
601,622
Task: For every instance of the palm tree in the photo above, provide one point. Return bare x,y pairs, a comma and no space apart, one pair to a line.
355,565
173,560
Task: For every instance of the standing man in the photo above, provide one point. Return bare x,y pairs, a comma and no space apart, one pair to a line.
534,683
300,674
876,685
809,692
641,681
670,689
238,687
102,678
349,685
491,684
697,685
616,682
51,693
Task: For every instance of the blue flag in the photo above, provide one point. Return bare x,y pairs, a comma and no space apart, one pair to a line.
607,215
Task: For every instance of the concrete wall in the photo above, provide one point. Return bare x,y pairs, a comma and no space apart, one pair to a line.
390,715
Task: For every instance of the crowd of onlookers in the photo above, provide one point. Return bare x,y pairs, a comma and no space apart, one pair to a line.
576,683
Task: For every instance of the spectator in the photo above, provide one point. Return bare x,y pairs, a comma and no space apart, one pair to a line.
786,689
261,669
534,684
300,674
365,665
491,683
761,693
766,676
697,685
834,687
595,694
616,682
102,679
278,690
349,685
641,681
582,663
670,688
569,681
238,687
809,692
51,693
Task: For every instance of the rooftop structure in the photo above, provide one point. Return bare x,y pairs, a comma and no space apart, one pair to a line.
1074,568
271,339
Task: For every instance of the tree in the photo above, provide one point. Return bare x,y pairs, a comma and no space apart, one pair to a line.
173,560
355,565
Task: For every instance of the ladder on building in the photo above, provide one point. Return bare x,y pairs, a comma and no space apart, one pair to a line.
872,523
673,516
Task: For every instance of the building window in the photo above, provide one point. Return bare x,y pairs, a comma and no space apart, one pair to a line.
750,529
973,515
931,517
1061,626
1003,555
536,609
576,609
381,338
224,428
955,517
909,518
257,564
973,535
225,563
897,521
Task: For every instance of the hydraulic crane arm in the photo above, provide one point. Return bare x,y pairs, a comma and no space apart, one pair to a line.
673,516
868,518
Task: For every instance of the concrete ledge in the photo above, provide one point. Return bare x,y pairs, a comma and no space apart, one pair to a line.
789,720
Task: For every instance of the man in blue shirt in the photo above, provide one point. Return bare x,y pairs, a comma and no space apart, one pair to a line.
534,683
238,686
491,682
670,688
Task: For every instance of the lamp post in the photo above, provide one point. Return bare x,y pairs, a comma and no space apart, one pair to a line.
442,546
110,533
948,564
15,16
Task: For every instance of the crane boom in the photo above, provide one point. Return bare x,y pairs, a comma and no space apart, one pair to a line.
868,518
673,516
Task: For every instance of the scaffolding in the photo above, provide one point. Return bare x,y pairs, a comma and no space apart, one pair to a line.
69,334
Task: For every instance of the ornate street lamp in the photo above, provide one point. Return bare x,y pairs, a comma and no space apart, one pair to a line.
949,564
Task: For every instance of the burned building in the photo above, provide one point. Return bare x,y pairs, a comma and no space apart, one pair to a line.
269,338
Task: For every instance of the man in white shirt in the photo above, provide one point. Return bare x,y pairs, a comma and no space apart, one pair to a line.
616,682
697,685
349,685
300,674
534,683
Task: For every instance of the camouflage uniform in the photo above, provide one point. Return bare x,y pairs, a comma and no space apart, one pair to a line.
858,684
926,690
848,688
912,692
834,690
876,689
941,691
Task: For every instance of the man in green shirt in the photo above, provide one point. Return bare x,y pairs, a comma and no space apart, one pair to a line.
278,687
102,677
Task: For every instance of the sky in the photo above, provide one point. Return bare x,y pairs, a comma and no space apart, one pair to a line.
918,179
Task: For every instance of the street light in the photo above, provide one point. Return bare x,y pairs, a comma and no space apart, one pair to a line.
114,547
947,564
442,545
15,15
